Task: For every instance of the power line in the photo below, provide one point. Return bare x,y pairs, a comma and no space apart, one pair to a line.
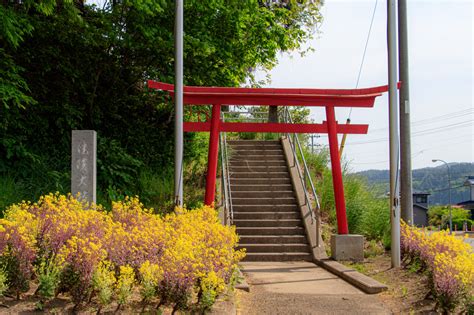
438,141
435,119
386,161
443,189
365,50
425,132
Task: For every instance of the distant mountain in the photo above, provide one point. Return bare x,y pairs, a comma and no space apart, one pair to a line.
432,180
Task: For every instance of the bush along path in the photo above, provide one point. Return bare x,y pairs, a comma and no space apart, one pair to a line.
449,264
126,259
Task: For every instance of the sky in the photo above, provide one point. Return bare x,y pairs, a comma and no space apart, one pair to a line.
440,35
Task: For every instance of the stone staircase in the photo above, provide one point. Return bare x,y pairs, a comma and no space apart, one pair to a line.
266,212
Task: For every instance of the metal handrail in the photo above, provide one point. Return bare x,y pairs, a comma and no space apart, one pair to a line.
303,176
228,207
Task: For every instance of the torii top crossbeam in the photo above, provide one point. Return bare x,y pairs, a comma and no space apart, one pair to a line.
194,95
328,98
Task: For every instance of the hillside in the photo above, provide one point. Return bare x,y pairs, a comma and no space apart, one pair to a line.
433,180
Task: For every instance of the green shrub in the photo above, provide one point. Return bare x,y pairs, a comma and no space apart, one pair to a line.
3,282
49,274
367,214
373,248
439,216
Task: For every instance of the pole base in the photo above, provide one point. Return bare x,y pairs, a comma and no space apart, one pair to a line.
347,247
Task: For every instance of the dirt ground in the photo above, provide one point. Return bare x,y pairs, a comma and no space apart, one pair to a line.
407,289
406,295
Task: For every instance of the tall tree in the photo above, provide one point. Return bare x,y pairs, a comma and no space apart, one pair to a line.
69,65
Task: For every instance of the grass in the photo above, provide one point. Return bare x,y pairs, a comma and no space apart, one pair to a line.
10,192
360,267
157,190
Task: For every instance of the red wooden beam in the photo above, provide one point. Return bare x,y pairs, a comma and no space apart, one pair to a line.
269,96
275,91
275,127
255,99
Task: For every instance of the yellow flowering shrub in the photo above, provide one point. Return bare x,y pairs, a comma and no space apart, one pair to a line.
150,276
18,240
449,260
106,254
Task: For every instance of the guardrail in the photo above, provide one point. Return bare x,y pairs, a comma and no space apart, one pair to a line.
227,193
305,175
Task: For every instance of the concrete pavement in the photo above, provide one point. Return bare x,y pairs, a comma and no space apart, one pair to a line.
301,288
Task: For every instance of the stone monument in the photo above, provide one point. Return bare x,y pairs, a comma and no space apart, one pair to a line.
83,164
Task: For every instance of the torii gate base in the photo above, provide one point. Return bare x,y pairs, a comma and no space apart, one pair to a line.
327,98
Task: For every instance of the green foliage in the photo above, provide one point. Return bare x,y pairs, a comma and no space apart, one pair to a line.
3,282
117,169
439,216
103,281
67,65
49,274
9,192
373,248
16,279
366,213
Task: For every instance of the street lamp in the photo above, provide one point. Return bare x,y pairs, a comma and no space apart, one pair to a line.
449,190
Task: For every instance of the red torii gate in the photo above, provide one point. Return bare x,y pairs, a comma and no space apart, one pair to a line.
328,98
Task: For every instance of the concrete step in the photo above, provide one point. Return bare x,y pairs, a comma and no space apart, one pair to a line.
265,208
268,223
281,162
259,168
255,142
266,215
278,257
258,157
259,181
262,194
260,175
252,188
273,239
266,146
275,248
261,152
258,231
264,201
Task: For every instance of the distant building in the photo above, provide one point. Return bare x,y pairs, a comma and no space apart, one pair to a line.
420,208
469,204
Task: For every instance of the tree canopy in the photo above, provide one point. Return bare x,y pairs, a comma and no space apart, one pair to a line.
72,65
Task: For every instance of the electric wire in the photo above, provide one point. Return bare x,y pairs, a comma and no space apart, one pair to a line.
425,132
413,156
365,51
435,119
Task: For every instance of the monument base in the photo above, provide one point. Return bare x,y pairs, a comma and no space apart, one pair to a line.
347,247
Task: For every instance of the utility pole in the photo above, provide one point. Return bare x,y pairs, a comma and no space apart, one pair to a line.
312,144
406,194
178,106
449,192
393,126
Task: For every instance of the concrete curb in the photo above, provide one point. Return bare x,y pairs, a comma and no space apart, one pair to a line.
242,285
361,281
